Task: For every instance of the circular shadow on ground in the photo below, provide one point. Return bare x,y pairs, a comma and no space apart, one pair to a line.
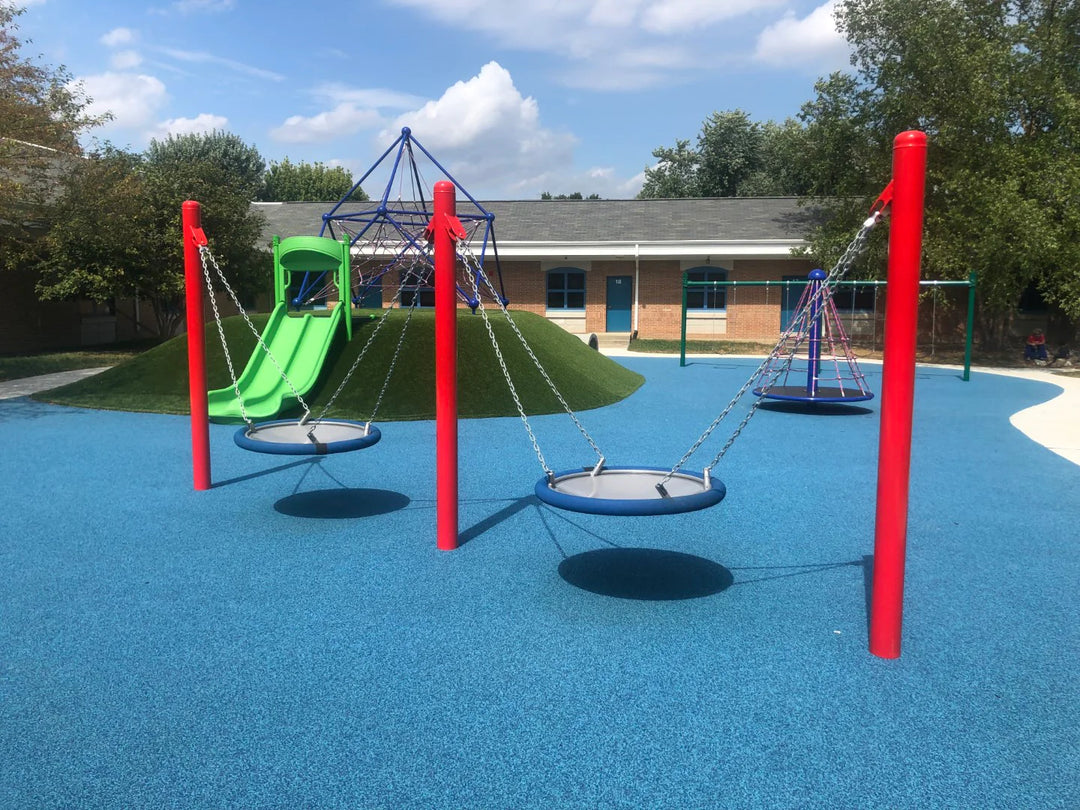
338,504
645,574
815,408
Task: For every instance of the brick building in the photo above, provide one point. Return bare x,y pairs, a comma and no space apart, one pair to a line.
616,266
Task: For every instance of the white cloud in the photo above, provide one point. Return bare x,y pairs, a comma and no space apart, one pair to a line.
812,41
683,16
353,110
117,37
376,98
601,42
203,122
200,57
125,60
484,128
344,120
133,99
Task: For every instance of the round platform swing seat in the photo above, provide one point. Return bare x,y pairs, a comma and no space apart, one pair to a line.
629,491
291,438
799,393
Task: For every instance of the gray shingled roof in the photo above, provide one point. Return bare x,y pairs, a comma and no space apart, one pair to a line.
748,219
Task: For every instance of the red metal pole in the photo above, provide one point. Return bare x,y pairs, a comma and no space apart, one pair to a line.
898,393
446,440
200,419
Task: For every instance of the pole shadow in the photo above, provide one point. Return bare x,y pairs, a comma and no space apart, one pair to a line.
490,522
645,574
269,471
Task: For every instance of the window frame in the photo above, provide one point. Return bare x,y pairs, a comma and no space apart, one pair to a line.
706,295
409,291
851,299
565,290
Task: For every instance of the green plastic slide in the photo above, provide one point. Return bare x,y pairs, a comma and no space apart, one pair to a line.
300,345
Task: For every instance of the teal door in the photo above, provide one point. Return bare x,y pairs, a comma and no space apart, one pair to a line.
620,301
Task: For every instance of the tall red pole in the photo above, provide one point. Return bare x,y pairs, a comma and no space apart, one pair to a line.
191,221
446,440
898,393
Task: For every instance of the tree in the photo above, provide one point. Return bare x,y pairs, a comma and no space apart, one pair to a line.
94,252
547,195
42,114
224,174
674,175
735,157
120,216
307,182
730,149
996,86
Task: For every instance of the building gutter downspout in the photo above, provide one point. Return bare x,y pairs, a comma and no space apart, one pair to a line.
637,285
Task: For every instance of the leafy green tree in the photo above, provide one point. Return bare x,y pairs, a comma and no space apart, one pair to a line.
307,182
675,173
93,253
730,149
42,115
996,86
121,230
735,157
780,170
223,174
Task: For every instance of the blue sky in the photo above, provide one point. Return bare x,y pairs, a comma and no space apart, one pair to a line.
514,97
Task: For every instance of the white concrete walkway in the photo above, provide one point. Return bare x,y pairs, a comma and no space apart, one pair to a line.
1054,424
31,385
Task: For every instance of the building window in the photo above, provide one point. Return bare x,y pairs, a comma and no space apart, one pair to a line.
705,298
566,288
854,298
416,285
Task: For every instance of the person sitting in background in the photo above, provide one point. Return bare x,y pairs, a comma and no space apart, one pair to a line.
1035,348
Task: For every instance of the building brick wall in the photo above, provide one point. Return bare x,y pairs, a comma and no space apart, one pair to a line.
753,312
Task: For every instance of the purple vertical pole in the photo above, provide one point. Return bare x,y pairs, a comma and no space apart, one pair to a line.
813,348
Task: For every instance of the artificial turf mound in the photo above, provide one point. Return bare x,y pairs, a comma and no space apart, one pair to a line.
156,380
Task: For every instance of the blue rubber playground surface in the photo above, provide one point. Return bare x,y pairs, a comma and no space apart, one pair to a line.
292,637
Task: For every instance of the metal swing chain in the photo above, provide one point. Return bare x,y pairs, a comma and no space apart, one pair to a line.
204,251
394,359
360,357
842,266
510,382
478,270
206,255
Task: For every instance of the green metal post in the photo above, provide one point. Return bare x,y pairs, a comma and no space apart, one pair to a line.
682,340
344,283
969,332
279,292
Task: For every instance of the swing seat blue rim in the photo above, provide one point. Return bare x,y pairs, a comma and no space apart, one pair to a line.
629,491
798,394
289,438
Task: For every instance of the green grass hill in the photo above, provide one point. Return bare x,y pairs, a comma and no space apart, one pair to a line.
156,380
